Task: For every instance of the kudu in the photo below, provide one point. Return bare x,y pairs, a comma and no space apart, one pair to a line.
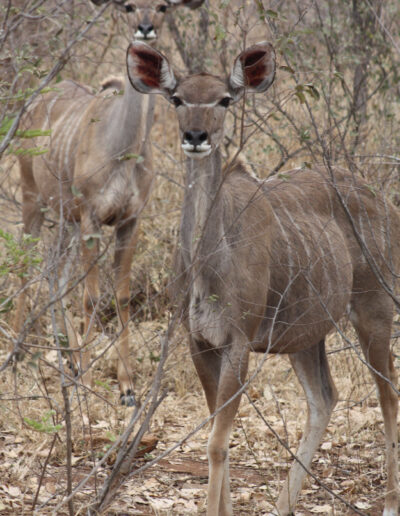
146,16
92,175
271,266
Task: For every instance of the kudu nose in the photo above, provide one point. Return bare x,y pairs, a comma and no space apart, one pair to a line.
145,28
195,137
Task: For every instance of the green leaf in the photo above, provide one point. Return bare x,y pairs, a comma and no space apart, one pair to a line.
111,436
75,192
6,305
63,340
131,155
43,425
33,151
213,298
104,385
312,90
90,239
33,133
287,69
6,125
371,189
220,33
271,13
154,358
300,95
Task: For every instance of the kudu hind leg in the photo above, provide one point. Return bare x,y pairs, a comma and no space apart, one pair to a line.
371,316
126,238
312,370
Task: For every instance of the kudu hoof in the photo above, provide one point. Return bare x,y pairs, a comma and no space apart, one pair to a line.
19,355
128,398
73,368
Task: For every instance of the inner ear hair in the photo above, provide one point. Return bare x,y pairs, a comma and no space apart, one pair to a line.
254,68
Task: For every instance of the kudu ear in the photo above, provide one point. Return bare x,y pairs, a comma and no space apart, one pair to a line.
148,70
193,4
253,69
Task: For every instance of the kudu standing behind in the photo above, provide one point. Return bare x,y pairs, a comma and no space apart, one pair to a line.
271,266
90,175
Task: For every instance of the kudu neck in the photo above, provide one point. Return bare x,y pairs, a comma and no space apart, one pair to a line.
204,176
131,120
202,209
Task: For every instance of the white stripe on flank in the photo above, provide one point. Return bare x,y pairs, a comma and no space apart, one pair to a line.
49,106
69,142
360,220
70,125
324,232
289,249
58,131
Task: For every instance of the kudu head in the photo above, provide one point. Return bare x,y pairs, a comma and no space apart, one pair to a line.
201,100
146,16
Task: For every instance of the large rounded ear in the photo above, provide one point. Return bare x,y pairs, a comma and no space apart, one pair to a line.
148,70
253,69
193,4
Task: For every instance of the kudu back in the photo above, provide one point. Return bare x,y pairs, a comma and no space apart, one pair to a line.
272,266
91,175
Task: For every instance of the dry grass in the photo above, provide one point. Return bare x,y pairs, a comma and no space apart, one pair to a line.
350,462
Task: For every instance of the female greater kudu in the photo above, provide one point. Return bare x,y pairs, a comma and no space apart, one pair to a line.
90,175
271,266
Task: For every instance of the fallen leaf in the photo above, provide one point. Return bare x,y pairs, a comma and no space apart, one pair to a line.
321,509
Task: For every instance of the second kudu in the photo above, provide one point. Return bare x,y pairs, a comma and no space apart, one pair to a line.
90,175
272,266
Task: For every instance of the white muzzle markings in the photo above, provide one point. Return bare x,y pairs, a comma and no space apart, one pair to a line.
196,151
144,37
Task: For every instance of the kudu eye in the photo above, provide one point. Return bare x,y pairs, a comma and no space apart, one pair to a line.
129,8
162,8
225,102
177,101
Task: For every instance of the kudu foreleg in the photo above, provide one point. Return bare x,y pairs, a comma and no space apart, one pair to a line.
222,373
126,239
64,316
312,370
33,219
91,295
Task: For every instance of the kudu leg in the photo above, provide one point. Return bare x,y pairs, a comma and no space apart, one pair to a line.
312,370
90,253
221,373
126,238
64,315
372,318
32,217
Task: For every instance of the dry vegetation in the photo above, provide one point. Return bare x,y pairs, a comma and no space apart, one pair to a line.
318,111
